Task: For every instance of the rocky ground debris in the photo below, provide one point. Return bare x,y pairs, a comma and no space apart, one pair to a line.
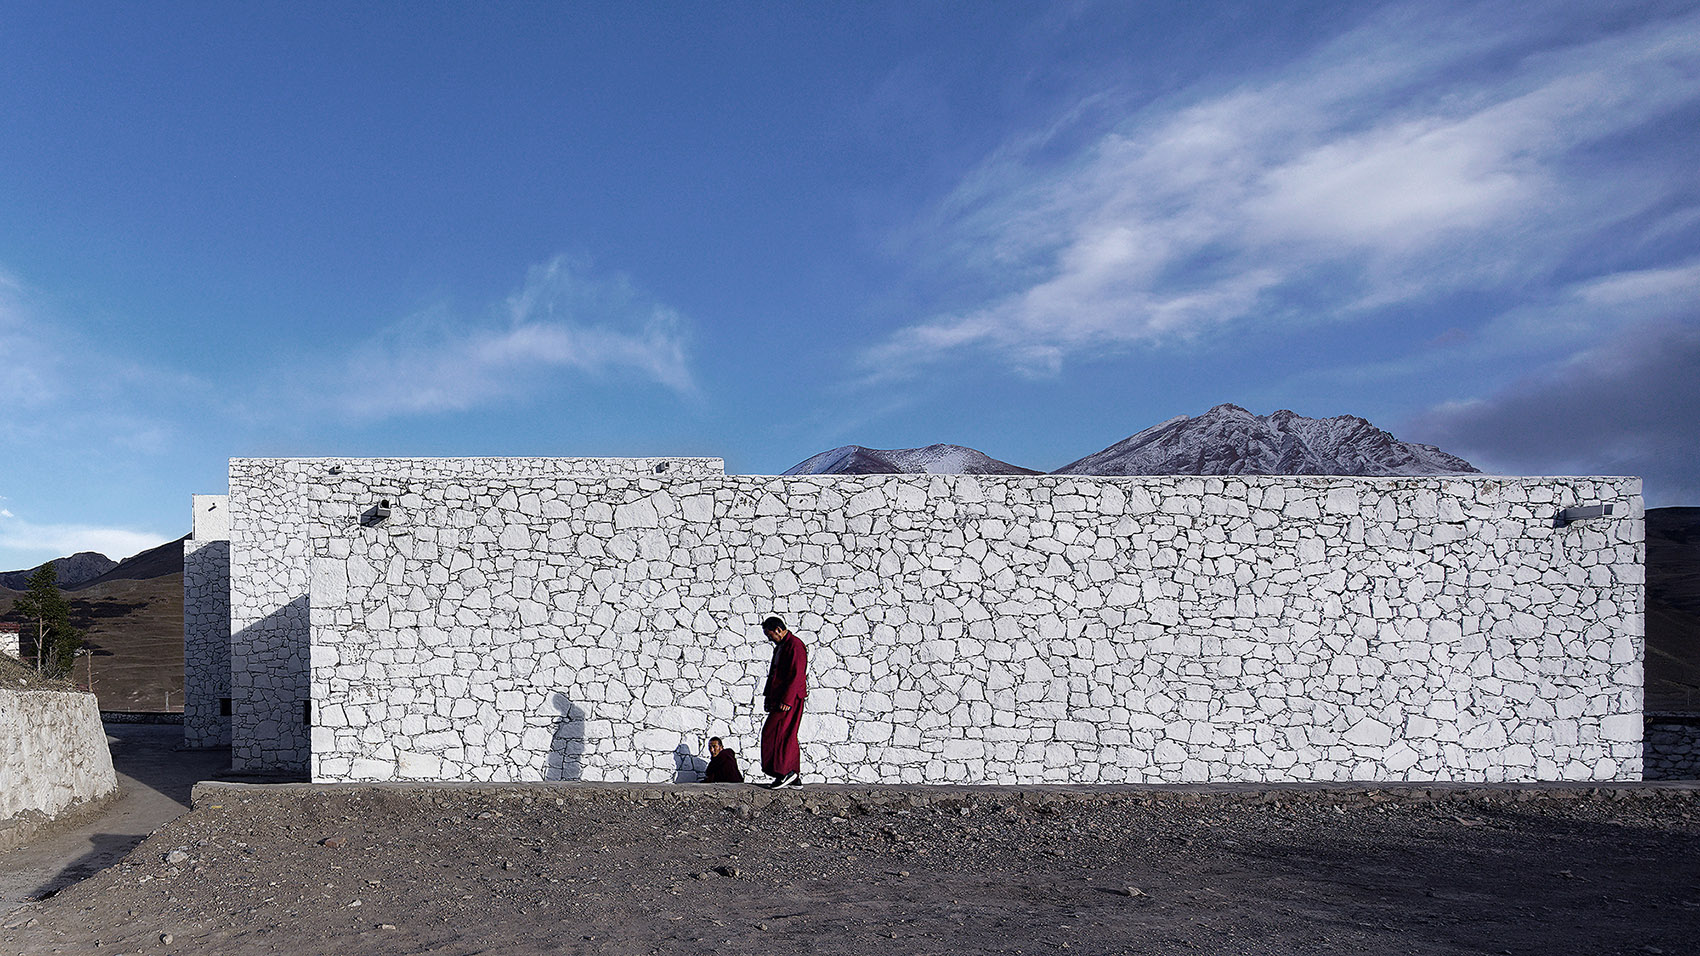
584,869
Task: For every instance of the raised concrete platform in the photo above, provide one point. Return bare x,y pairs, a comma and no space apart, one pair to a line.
856,798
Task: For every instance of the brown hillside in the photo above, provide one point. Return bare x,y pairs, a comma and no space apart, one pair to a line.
134,618
1673,609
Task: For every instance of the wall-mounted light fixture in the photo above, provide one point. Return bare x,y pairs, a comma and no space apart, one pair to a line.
376,514
1581,513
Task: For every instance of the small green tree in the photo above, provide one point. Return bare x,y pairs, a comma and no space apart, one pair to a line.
56,641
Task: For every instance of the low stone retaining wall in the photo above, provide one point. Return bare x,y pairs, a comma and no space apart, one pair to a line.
53,756
140,717
1672,747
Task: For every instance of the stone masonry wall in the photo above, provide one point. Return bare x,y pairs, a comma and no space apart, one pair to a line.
521,621
206,643
268,615
268,515
53,755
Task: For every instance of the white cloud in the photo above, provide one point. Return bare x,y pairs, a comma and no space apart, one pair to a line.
1410,157
43,542
562,320
33,363
68,389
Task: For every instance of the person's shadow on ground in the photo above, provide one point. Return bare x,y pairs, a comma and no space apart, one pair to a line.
106,849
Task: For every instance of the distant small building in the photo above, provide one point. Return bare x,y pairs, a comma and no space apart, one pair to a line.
12,641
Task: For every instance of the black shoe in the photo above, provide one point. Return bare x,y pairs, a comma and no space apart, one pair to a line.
789,780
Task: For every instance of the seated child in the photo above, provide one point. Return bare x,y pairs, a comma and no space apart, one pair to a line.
722,764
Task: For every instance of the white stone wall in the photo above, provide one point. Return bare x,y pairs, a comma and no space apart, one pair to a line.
206,643
268,508
11,642
268,613
53,754
521,621
211,517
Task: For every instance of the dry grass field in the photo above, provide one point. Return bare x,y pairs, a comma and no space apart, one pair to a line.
134,618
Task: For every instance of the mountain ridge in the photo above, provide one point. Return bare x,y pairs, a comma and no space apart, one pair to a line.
1226,440
72,571
1229,440
940,459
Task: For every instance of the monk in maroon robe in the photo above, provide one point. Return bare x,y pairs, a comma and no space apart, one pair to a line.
781,757
722,764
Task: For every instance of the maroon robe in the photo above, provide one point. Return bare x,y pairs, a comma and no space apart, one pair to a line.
786,684
723,768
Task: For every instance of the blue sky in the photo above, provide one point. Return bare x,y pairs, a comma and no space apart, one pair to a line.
758,231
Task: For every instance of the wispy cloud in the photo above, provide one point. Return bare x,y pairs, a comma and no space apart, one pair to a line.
33,365
563,320
48,541
64,388
1421,153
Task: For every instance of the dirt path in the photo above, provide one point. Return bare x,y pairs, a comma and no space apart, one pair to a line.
584,868
154,781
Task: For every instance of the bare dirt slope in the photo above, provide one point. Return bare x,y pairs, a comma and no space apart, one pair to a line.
134,618
155,779
583,868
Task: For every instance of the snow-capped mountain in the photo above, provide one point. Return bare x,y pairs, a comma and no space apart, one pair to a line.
933,459
1228,440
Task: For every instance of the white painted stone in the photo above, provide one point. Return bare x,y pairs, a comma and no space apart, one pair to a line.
1232,629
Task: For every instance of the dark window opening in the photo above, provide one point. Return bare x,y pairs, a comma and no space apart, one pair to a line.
307,713
224,708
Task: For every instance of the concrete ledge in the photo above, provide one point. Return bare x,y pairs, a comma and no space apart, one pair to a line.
862,798
139,717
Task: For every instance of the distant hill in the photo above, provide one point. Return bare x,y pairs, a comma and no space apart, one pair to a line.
1673,609
75,570
133,613
933,459
152,563
1228,440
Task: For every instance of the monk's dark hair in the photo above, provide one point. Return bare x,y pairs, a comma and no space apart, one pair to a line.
773,624
717,740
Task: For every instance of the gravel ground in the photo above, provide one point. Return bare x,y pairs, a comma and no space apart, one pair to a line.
585,868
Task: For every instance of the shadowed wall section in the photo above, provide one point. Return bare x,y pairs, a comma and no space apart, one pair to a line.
206,626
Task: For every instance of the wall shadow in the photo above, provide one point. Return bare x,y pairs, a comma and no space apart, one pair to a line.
566,748
107,849
1670,746
687,767
148,759
153,756
270,683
